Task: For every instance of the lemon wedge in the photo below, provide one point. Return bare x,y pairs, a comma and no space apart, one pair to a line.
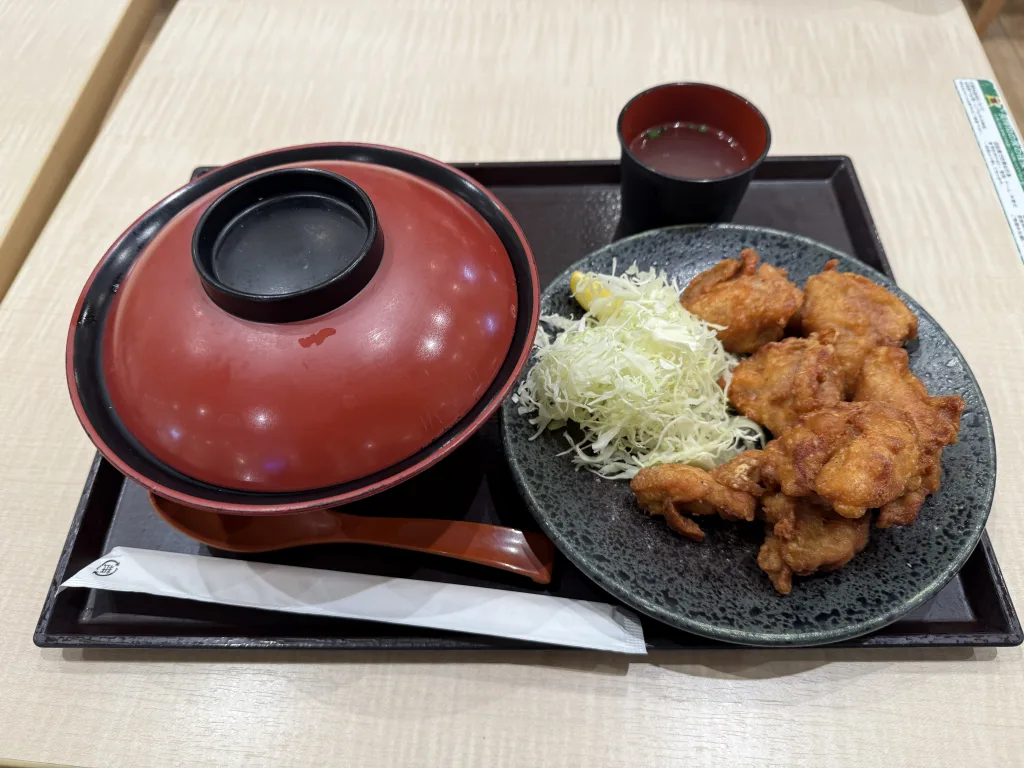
586,291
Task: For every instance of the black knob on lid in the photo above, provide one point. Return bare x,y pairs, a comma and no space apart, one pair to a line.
287,245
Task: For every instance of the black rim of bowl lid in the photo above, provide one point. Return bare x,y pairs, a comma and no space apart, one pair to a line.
87,353
347,263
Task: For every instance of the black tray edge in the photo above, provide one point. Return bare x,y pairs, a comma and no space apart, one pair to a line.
41,637
1014,635
45,639
838,168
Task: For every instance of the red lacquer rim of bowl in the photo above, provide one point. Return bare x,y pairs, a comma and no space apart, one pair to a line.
341,498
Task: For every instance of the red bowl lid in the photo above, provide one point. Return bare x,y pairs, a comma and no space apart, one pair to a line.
308,327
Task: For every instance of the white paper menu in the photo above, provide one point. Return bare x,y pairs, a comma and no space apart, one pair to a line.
1001,147
495,612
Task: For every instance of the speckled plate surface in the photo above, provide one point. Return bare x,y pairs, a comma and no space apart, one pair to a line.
714,588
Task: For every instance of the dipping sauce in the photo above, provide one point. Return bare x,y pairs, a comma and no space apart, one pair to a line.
689,151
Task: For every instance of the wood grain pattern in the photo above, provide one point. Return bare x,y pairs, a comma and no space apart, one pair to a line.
516,79
60,65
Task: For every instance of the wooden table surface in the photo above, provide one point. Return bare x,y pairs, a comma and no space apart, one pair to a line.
60,64
516,79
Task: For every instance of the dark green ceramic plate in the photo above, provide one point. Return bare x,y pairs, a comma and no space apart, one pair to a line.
714,588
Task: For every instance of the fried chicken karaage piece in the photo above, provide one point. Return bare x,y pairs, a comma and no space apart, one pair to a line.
812,538
864,314
743,473
754,304
786,379
850,456
779,513
673,489
885,377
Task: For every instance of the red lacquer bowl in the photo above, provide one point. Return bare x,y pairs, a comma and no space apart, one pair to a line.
302,329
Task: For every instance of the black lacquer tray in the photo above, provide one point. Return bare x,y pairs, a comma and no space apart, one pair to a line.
566,211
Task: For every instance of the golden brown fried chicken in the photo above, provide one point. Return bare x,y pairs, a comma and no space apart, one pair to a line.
815,539
885,377
671,489
784,380
754,304
779,513
743,473
851,456
864,314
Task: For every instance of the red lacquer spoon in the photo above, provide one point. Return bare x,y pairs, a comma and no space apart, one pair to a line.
523,552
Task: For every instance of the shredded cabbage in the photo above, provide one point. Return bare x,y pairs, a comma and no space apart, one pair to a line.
639,375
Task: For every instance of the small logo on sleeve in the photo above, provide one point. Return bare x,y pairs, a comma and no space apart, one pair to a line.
106,568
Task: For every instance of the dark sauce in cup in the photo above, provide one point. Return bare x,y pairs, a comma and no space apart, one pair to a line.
689,151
